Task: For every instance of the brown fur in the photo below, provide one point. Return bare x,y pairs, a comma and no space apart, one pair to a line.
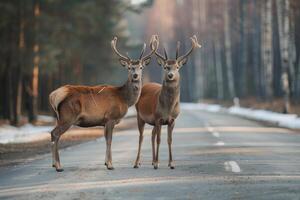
87,106
102,105
164,104
92,106
159,104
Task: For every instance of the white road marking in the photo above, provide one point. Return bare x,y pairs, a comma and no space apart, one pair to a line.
210,129
216,134
220,143
232,166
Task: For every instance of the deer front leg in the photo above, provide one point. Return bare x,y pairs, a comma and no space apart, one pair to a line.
170,132
53,150
158,133
153,144
108,130
141,125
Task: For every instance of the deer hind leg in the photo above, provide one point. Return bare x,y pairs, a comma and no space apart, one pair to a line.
108,130
141,125
158,133
55,136
170,132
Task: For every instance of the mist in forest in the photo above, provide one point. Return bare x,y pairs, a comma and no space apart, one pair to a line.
250,49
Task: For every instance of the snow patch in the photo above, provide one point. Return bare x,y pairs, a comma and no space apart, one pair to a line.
45,118
220,143
283,120
26,133
131,112
31,133
201,106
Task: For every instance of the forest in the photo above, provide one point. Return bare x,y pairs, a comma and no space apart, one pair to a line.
250,48
49,43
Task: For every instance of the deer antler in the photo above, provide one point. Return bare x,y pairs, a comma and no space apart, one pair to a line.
195,44
114,47
154,38
143,51
158,54
177,49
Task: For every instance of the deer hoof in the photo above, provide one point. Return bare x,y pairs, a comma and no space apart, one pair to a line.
155,165
171,166
136,166
59,169
109,166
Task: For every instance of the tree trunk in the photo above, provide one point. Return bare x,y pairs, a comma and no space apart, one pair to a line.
219,71
18,81
32,87
198,93
267,53
231,89
284,32
242,50
256,50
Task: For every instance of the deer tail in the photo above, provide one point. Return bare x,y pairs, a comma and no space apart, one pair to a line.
56,97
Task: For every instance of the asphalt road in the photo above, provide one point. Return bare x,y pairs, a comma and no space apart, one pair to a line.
217,156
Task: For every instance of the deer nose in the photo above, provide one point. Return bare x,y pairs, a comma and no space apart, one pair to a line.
135,76
170,75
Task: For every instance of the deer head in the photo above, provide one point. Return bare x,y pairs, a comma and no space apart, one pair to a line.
135,66
171,66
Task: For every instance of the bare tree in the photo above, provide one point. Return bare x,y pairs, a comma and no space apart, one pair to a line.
218,66
284,33
231,89
267,53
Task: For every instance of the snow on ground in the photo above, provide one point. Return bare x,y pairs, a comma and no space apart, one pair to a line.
283,120
31,133
26,133
131,112
45,118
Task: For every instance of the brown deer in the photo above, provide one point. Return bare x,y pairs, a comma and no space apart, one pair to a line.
102,105
159,104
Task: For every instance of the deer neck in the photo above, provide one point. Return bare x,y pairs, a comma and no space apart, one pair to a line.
131,91
169,94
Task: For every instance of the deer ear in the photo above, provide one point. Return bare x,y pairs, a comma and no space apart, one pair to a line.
147,61
124,63
182,62
160,61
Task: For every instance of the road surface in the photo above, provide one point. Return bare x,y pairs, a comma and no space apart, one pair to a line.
217,156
